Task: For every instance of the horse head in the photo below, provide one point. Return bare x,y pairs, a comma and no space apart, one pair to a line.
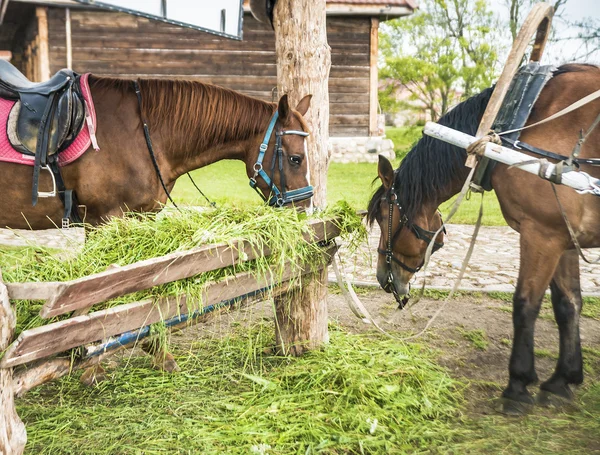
280,174
405,235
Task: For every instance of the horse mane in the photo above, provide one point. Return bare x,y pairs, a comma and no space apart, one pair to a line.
575,68
432,165
200,115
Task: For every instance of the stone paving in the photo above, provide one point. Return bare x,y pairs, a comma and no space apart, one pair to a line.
493,266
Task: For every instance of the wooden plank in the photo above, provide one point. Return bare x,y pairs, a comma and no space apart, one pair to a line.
12,431
45,370
68,38
536,24
349,120
50,339
374,78
43,49
34,291
87,291
84,292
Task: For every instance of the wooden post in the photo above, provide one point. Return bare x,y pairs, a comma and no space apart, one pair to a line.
68,40
12,431
3,5
374,79
303,63
42,47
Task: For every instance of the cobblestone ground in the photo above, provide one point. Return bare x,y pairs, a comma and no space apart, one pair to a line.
494,265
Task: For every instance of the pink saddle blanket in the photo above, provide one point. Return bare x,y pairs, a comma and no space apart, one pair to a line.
82,142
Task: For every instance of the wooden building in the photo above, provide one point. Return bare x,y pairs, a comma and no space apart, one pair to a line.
45,36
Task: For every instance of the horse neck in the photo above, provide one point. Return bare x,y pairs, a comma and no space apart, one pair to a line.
453,188
201,124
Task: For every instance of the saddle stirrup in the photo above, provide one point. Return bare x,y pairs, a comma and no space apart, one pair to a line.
46,194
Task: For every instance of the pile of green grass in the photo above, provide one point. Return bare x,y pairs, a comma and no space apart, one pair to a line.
361,394
124,241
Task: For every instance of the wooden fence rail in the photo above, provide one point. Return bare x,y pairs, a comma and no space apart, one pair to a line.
32,360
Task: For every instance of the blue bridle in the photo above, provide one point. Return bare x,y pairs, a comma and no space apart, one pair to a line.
279,197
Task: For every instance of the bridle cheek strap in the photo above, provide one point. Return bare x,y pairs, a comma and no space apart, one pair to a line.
279,197
420,233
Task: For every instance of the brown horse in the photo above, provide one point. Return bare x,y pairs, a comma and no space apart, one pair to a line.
434,171
191,125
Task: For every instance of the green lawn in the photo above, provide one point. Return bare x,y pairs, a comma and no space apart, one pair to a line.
227,182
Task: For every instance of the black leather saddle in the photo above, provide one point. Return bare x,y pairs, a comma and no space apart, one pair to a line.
49,116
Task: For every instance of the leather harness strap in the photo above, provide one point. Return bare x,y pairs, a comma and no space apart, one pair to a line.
280,197
138,93
420,233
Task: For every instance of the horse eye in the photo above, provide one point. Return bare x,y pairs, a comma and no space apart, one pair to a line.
295,159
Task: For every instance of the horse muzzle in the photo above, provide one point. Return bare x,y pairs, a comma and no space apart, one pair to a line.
401,292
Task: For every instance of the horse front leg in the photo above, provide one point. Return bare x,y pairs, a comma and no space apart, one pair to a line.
567,303
540,253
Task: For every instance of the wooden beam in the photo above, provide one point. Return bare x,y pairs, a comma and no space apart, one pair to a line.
46,370
68,40
43,48
374,78
12,431
34,290
50,339
3,5
84,292
537,24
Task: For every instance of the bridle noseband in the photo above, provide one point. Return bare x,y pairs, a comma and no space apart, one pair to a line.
420,233
280,197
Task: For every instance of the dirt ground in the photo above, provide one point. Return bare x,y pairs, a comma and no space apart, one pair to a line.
473,335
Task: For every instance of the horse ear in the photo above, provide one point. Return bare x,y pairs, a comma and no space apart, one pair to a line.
304,104
284,109
386,172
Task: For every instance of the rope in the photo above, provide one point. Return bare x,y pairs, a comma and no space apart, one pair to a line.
477,148
357,307
571,231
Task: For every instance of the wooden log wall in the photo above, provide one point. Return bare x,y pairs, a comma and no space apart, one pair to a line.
117,44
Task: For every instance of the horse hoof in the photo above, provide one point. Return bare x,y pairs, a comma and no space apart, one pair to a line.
510,407
553,400
93,376
166,363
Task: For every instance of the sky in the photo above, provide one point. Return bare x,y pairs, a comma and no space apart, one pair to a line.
207,14
564,51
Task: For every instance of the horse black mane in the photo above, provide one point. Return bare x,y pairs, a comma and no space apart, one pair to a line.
432,164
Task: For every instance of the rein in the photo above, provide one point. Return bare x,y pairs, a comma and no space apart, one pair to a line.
280,197
138,93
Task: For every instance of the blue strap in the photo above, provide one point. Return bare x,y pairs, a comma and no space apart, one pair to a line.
267,138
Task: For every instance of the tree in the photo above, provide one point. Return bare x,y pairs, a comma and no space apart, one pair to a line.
442,54
586,31
518,10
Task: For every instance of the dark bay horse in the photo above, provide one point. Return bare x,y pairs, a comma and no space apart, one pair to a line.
191,125
406,205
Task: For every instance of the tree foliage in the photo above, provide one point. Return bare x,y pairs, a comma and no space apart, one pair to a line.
441,54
